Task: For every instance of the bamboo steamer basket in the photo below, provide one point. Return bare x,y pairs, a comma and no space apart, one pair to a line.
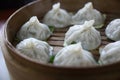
22,68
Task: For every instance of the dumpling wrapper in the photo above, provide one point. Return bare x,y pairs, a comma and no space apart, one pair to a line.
110,53
89,13
57,17
33,28
35,49
113,30
74,56
86,34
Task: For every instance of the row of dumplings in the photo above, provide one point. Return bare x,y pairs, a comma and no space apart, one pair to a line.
83,33
60,18
71,56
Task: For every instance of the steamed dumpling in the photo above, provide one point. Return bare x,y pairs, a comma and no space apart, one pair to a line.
110,53
35,49
88,13
86,34
113,30
33,28
57,17
74,56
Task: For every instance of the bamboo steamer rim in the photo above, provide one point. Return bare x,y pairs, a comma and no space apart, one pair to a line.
20,58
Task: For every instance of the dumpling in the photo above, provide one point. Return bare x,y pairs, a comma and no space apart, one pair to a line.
33,28
35,49
113,30
74,56
110,53
57,17
88,13
86,34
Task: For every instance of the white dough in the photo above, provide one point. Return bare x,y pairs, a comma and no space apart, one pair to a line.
33,28
113,30
57,17
86,34
74,56
110,53
35,49
88,13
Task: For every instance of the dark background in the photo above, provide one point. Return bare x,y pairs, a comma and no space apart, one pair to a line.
7,4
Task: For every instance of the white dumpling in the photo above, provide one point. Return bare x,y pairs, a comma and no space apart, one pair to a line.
86,34
74,56
88,13
33,28
35,49
110,53
113,30
57,17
